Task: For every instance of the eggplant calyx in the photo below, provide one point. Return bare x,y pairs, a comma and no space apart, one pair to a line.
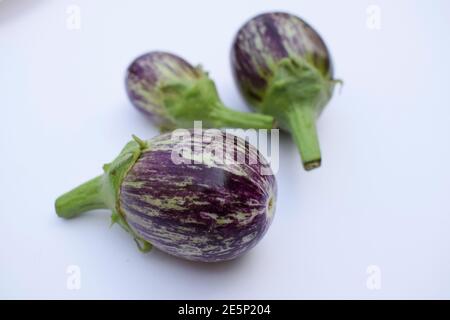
189,100
296,94
103,192
114,174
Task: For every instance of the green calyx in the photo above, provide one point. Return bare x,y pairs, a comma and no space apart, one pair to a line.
296,95
103,192
197,99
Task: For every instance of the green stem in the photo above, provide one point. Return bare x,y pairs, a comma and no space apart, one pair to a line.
245,120
87,196
302,125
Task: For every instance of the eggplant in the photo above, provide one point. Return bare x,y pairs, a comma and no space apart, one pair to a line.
174,94
283,68
181,197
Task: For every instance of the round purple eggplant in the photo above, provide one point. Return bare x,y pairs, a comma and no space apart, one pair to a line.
174,94
184,196
283,68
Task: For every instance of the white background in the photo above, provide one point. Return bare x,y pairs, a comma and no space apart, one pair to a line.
380,198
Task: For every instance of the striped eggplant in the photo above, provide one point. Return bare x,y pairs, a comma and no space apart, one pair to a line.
183,198
174,94
283,68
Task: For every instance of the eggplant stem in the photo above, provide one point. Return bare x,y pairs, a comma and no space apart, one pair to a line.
244,120
85,197
302,125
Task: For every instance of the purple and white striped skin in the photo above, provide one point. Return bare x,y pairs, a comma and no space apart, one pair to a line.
283,69
209,211
144,77
175,94
265,40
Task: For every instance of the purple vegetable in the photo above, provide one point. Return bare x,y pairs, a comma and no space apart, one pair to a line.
194,205
284,69
175,94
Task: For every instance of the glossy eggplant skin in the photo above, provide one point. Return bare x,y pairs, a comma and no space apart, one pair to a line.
144,78
267,39
209,211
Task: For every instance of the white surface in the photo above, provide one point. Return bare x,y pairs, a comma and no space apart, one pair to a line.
381,197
